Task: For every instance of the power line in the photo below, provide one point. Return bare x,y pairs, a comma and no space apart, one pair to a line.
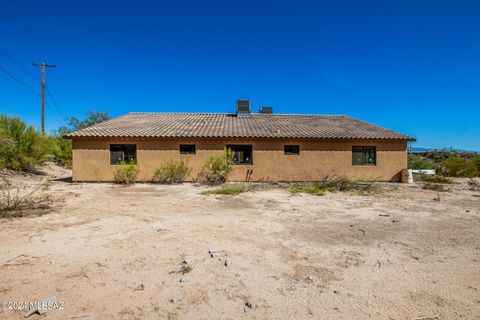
8,73
22,83
15,62
56,108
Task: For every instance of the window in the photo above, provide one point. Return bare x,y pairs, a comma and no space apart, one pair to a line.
364,156
123,152
242,154
187,149
291,149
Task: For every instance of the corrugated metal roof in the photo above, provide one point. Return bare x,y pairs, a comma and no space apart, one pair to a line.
222,125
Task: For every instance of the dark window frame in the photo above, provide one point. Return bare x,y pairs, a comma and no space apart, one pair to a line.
187,146
290,153
236,146
364,150
126,153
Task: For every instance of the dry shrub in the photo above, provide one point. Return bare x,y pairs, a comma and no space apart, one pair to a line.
216,169
435,187
173,171
335,184
435,179
473,184
126,173
17,201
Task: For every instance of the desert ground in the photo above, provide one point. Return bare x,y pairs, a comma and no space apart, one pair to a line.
169,252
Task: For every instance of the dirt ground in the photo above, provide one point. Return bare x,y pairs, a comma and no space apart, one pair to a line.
278,256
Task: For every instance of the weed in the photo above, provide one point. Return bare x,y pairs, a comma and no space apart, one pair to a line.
231,190
173,171
185,268
312,188
4,290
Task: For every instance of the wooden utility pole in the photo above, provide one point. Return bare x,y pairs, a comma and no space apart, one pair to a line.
43,65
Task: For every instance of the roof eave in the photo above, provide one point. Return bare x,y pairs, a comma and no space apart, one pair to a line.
73,136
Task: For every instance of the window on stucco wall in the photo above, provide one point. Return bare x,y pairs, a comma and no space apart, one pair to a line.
120,153
242,154
364,156
291,149
187,149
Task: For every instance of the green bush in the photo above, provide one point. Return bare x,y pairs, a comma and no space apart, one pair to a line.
60,150
476,162
458,167
417,162
21,146
216,169
126,173
173,171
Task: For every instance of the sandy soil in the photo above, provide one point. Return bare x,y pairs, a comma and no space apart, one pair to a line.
288,257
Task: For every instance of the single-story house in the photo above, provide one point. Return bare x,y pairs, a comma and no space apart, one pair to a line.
266,146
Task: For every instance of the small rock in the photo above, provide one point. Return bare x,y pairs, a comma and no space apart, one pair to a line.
41,308
226,263
82,315
140,287
175,299
310,278
185,279
336,292
467,210
213,253
250,305
187,260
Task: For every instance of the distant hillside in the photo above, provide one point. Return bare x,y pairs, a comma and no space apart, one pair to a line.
423,150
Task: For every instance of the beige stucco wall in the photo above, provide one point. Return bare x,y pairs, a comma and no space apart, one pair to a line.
317,159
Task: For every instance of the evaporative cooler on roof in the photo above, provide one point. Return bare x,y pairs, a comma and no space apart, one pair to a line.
243,107
266,110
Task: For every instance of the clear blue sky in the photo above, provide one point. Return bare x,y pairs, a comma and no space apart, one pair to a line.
412,66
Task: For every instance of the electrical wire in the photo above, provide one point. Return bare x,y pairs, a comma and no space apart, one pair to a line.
15,62
59,114
20,82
